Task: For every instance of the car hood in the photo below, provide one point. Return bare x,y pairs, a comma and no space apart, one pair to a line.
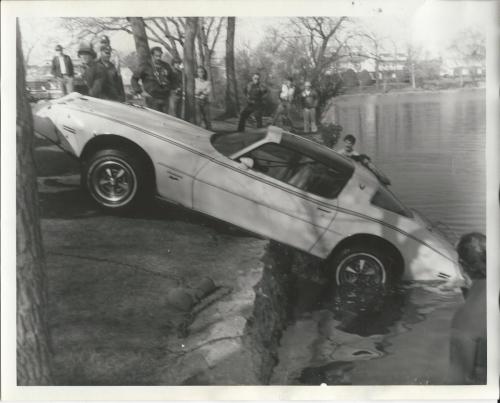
142,119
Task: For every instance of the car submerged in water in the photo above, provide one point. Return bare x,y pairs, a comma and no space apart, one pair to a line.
272,183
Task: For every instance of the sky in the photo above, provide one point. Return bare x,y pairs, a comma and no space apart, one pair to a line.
431,25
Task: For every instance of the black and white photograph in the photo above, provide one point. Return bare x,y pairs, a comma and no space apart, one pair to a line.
213,197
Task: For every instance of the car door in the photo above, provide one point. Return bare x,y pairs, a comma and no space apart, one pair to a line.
298,211
226,190
260,199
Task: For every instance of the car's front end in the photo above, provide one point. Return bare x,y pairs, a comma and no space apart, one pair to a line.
369,211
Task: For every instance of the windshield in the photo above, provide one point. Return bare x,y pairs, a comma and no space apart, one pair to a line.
230,143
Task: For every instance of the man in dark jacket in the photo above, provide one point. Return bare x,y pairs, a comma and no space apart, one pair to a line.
112,87
94,74
176,84
62,70
155,81
255,93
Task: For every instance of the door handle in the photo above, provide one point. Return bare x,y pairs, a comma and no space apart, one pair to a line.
173,177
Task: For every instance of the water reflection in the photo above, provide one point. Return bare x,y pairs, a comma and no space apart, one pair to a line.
432,146
334,330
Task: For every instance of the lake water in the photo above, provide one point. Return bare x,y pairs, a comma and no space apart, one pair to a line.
432,147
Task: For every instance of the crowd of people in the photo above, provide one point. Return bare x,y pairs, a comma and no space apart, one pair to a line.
162,85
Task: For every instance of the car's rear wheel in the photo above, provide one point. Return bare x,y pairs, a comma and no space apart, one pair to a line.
362,266
116,179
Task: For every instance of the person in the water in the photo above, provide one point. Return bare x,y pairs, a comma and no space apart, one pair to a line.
468,326
349,151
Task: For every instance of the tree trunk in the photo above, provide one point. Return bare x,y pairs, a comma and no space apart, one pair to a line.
412,71
141,42
33,341
201,59
189,68
232,103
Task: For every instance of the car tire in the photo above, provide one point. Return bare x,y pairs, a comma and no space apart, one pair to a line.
363,266
117,179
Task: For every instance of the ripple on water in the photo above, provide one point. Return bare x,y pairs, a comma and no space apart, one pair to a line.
323,344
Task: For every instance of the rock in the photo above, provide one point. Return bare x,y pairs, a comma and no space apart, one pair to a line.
204,287
180,299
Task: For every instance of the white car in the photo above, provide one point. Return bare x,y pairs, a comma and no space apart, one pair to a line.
273,183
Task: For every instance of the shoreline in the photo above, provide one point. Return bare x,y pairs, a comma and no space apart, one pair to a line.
409,90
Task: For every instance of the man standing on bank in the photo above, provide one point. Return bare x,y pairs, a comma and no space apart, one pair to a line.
176,84
94,74
113,86
155,80
285,103
255,93
62,70
309,98
115,59
202,93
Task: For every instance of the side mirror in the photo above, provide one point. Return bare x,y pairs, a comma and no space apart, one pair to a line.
246,163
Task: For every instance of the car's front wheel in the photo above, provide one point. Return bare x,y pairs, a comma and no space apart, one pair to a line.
362,266
116,179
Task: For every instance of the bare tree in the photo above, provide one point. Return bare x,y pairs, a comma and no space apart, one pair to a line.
324,44
232,103
468,49
189,68
165,31
209,29
33,340
371,47
138,29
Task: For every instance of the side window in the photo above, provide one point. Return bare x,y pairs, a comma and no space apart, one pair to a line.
297,169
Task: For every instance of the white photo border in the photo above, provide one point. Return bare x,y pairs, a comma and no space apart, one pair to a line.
10,10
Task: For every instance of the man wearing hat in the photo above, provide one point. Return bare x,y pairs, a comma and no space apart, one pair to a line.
94,74
62,70
113,86
155,80
114,58
176,83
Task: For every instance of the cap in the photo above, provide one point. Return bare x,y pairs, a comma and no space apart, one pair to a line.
86,48
59,47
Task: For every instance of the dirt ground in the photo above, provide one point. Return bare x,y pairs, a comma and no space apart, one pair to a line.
125,291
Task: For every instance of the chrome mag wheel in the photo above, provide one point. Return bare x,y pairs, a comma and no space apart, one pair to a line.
361,269
112,181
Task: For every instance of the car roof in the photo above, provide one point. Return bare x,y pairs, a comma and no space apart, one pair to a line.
318,152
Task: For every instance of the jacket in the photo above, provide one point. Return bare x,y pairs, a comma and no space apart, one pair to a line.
309,100
155,80
176,80
56,67
95,77
287,93
255,93
112,86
